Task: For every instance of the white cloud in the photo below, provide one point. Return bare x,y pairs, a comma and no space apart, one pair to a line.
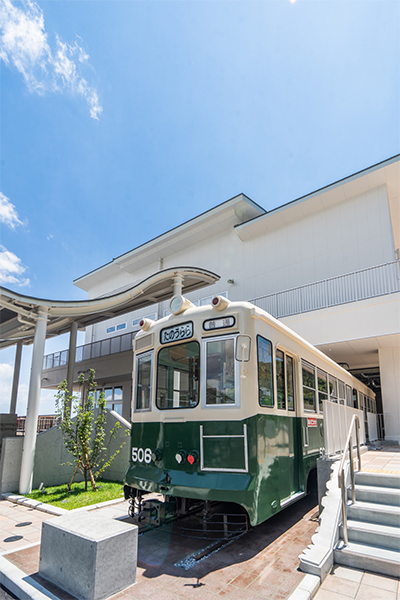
8,214
45,67
11,269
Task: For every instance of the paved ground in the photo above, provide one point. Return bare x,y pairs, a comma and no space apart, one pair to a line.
261,565
344,583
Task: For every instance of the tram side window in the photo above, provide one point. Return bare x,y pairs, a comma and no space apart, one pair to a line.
289,382
349,396
280,379
220,357
309,389
322,388
333,389
143,381
265,375
284,380
342,397
355,400
178,376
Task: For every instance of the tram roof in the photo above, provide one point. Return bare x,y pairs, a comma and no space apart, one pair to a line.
19,313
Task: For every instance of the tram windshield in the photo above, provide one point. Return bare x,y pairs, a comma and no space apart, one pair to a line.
220,371
178,376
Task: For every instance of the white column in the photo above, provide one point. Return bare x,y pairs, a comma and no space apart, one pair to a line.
17,369
71,357
28,452
177,285
389,367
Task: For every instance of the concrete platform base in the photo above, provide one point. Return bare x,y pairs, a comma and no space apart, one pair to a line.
81,553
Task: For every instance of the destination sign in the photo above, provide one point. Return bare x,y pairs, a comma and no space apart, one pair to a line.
221,323
174,334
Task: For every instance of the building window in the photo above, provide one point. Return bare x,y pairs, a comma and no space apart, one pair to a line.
113,397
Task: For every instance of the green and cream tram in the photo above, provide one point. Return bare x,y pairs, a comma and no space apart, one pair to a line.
228,406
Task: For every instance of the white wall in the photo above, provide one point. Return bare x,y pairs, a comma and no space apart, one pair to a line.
370,318
389,365
334,240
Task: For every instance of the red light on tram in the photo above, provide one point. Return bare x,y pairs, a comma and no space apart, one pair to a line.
191,459
141,323
215,301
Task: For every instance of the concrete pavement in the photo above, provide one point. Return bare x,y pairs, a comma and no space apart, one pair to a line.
259,566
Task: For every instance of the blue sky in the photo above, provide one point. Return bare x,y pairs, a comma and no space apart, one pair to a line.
122,119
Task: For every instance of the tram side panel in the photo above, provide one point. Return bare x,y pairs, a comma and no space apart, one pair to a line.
257,454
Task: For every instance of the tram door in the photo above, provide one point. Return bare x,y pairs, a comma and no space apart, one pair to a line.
287,445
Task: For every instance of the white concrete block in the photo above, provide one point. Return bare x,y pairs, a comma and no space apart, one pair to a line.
89,555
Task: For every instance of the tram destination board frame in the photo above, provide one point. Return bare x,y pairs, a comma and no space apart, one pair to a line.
176,333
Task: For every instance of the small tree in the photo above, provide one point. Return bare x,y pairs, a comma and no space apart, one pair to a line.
85,434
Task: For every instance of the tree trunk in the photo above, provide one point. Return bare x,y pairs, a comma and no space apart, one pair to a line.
73,477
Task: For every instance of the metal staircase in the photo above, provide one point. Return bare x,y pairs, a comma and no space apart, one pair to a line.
370,531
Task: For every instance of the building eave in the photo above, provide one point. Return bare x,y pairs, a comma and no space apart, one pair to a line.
385,173
234,211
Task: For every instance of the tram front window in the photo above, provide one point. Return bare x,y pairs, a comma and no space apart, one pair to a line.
143,379
178,376
221,372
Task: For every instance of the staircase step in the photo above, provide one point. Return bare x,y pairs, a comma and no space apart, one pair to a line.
370,512
377,495
378,479
368,558
381,536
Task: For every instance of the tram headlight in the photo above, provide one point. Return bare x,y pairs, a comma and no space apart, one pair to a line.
179,304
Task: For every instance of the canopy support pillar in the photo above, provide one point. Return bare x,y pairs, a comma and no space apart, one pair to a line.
71,358
32,412
17,369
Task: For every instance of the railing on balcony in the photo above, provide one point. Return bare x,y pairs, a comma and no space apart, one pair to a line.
44,422
359,285
112,345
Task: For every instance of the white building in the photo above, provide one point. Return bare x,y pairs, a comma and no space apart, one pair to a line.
326,264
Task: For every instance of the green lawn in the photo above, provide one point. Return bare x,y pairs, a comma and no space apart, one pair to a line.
60,496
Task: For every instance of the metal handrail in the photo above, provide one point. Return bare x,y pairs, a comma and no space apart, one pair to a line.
334,291
341,475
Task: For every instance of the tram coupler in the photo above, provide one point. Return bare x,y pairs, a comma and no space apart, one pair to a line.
156,512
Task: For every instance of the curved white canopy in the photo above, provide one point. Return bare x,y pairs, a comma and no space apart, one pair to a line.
19,313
